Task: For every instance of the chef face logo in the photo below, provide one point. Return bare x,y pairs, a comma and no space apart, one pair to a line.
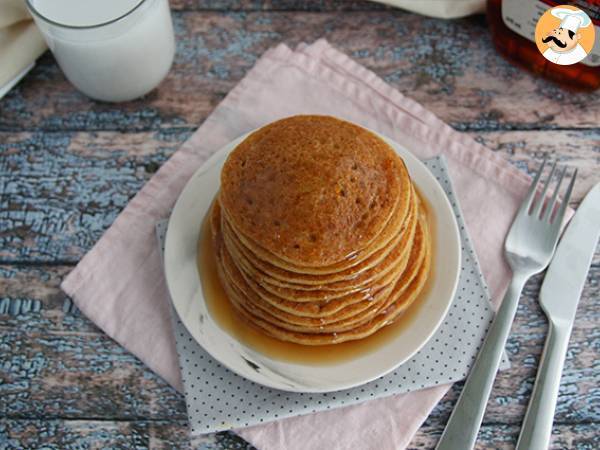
561,40
564,35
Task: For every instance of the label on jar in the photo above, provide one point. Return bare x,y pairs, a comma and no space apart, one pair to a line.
522,17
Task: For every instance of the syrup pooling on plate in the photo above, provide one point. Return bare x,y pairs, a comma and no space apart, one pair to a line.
224,315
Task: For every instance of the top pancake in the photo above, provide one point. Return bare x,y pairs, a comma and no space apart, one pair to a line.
313,190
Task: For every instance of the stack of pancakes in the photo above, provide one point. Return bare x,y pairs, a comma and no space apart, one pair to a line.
319,234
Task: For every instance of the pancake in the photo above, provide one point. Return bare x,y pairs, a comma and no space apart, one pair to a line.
403,297
346,319
395,262
319,235
391,229
313,190
315,304
312,296
285,278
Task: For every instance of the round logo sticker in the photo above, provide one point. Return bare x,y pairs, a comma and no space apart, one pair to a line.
564,35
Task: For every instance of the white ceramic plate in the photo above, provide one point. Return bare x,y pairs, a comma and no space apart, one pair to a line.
186,291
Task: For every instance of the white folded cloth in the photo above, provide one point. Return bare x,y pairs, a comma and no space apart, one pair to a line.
443,9
20,43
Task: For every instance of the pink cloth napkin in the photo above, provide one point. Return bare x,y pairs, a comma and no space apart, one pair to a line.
119,284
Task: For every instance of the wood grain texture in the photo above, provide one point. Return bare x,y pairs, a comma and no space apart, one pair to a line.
504,437
276,5
59,366
89,434
76,184
62,190
449,66
107,434
69,165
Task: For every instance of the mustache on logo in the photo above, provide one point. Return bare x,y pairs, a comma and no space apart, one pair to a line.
555,40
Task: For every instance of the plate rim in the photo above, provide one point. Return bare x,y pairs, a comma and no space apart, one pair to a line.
404,153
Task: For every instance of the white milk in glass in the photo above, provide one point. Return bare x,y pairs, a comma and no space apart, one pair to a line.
112,50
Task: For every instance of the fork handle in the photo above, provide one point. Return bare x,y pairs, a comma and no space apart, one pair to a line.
537,426
463,425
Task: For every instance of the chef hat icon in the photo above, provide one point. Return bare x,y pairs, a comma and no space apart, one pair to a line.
571,19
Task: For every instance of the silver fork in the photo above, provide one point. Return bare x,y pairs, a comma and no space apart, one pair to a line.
529,247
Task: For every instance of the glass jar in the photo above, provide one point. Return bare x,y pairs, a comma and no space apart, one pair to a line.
109,50
512,23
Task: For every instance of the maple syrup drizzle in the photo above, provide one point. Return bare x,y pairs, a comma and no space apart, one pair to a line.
225,316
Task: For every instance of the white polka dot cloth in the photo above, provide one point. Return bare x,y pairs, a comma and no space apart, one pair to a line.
218,399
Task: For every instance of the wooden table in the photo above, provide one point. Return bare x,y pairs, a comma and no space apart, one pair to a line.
68,165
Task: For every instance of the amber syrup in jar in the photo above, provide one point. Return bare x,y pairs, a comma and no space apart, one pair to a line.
511,20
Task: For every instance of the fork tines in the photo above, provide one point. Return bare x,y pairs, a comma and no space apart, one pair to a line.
540,206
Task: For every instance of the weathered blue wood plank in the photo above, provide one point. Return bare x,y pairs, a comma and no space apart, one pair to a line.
50,311
60,191
57,365
56,434
90,434
276,5
76,185
72,374
504,437
449,66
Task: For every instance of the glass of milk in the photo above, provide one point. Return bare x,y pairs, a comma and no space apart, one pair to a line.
111,50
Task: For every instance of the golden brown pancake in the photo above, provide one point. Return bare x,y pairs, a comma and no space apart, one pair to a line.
395,261
384,239
313,190
389,273
345,319
319,234
312,296
288,278
310,303
405,296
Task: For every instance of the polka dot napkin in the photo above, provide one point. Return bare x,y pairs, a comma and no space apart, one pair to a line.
218,399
